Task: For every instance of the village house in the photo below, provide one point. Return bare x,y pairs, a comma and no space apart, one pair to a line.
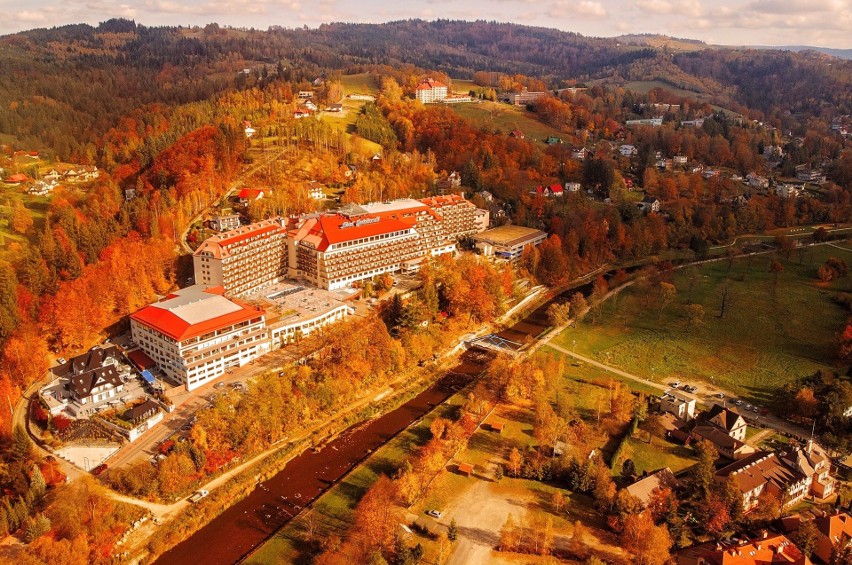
517,134
726,445
247,195
681,406
225,222
627,150
579,154
728,420
834,533
572,187
316,191
644,489
680,160
766,549
94,376
548,191
757,181
790,475
649,204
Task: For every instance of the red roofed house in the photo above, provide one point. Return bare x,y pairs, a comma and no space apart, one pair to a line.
765,550
247,195
196,334
17,178
430,91
549,191
834,534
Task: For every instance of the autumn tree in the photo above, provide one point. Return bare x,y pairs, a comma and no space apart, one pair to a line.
557,313
557,500
702,472
648,542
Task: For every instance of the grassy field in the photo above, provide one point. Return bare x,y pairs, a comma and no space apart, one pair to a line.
37,206
361,83
506,118
768,336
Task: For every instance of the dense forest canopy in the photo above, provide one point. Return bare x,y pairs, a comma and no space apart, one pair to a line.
67,86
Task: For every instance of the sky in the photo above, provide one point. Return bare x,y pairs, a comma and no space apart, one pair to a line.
821,23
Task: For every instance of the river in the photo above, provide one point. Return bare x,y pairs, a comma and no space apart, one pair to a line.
241,528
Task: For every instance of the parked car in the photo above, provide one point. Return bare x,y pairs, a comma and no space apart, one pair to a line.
434,513
738,402
218,385
99,469
198,496
755,409
720,395
61,360
675,384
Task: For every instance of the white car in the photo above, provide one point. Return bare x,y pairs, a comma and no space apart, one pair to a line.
434,513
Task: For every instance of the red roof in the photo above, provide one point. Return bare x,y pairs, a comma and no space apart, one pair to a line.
19,177
170,324
251,193
329,229
429,84
141,359
556,188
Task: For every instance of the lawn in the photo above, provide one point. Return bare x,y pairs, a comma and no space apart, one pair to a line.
768,336
361,83
506,118
661,454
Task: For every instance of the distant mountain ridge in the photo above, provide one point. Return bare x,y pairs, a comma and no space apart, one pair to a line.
840,53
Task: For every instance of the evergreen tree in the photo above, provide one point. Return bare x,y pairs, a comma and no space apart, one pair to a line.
38,486
22,447
37,527
453,531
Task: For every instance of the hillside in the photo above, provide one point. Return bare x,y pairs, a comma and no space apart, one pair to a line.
110,70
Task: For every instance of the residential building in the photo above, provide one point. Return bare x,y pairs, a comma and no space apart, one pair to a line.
247,195
649,204
517,134
521,98
627,150
243,259
681,406
653,122
483,218
726,445
757,181
456,99
728,420
680,160
788,190
572,187
579,154
814,463
315,190
430,91
766,549
762,472
225,222
834,533
197,334
96,385
696,123
773,152
508,242
548,191
645,488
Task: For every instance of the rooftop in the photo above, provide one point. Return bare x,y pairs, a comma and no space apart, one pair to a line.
194,311
509,235
286,302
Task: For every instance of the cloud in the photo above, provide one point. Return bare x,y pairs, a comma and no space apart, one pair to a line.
591,8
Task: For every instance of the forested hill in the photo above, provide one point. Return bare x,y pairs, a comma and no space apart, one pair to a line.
66,86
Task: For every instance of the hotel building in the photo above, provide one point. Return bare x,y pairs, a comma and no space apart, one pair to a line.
430,91
196,334
244,259
334,250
